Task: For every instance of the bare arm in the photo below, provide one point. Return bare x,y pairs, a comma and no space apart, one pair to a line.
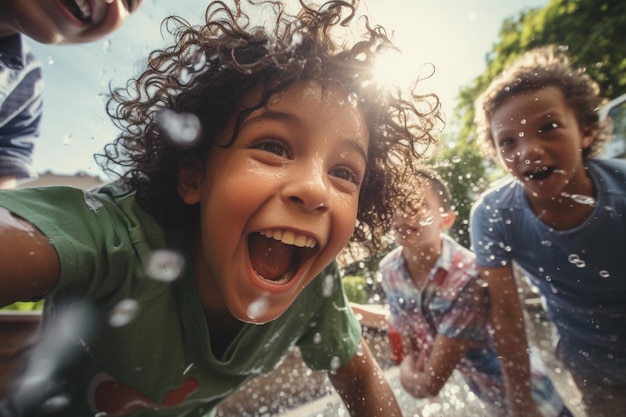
29,265
363,387
423,374
507,320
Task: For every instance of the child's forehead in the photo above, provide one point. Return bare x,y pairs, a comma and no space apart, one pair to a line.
317,93
548,100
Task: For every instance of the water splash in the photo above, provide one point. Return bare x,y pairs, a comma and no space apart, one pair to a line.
580,199
182,129
165,265
123,313
328,285
257,308
575,259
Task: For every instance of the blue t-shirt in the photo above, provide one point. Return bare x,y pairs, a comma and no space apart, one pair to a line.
580,272
21,104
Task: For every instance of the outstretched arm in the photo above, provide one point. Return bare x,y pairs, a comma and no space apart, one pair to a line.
363,387
29,265
424,373
507,320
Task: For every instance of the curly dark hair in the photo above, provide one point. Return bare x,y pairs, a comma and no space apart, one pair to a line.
538,68
210,68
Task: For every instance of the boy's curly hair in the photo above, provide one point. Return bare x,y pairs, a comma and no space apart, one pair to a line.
210,68
537,68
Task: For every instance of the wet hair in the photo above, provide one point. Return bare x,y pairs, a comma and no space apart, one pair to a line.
433,180
536,69
211,68
415,185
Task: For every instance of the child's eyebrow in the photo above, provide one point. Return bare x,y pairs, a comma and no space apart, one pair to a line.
270,115
293,119
354,144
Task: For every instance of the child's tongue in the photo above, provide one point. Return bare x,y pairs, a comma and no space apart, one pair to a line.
270,258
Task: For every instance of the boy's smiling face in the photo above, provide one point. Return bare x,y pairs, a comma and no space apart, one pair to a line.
280,203
71,21
538,139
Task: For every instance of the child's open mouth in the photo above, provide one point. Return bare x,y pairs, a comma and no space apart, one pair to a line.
542,174
276,254
81,9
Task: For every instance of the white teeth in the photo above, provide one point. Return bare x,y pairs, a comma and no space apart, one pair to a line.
84,7
290,238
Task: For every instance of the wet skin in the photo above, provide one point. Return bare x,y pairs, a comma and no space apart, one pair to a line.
539,141
64,21
294,173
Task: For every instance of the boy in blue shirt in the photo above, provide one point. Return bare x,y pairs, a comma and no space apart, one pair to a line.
560,217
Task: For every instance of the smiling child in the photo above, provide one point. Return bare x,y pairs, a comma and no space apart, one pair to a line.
249,159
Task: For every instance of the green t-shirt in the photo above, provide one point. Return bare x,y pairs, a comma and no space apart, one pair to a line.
159,363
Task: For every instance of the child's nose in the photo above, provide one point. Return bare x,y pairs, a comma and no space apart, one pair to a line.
308,188
531,150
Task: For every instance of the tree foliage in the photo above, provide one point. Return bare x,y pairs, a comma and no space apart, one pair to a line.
592,31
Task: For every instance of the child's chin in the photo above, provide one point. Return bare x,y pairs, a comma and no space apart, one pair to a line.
261,311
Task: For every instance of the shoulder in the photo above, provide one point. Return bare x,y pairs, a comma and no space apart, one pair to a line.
610,172
459,261
391,260
504,194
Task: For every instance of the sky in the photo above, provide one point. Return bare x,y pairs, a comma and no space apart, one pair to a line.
452,35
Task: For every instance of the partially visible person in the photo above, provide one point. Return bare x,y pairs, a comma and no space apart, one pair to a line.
249,158
21,82
440,308
560,217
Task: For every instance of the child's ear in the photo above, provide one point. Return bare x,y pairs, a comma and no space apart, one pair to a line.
587,138
448,219
190,174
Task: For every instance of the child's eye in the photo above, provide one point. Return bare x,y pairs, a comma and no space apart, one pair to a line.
274,146
346,174
505,142
548,127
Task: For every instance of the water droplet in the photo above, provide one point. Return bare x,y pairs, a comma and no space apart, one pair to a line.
328,285
183,129
604,274
335,363
583,199
317,338
257,308
575,259
427,221
165,265
55,404
123,312
296,39
353,99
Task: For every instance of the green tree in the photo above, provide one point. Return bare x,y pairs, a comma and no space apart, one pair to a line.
593,33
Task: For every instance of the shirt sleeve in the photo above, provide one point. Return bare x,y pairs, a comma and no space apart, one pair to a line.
487,236
91,240
20,117
469,315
